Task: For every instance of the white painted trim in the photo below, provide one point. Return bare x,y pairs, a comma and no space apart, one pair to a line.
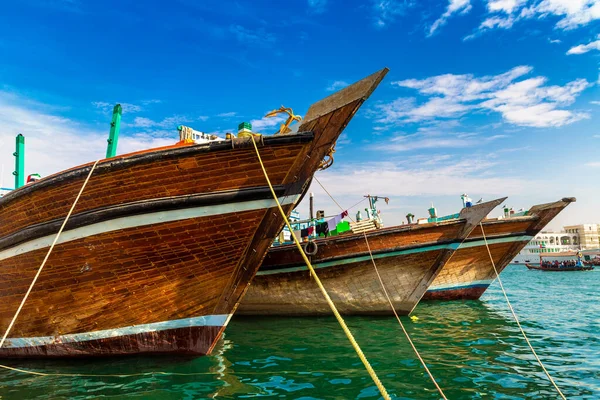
205,320
141,220
481,242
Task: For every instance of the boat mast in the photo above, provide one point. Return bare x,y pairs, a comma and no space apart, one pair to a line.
113,137
19,154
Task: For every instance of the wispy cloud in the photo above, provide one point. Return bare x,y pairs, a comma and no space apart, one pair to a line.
444,176
337,85
259,36
454,7
258,125
433,140
595,164
54,142
527,102
108,107
386,11
317,6
169,122
571,14
228,114
584,48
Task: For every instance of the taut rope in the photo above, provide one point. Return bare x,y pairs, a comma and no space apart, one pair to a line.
341,321
47,255
515,315
390,301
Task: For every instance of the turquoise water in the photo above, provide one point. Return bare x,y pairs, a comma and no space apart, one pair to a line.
473,349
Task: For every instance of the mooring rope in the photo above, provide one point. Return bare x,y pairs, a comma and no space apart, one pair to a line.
341,321
515,315
439,389
47,255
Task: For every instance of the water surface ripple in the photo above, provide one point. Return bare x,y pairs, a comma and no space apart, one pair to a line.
473,348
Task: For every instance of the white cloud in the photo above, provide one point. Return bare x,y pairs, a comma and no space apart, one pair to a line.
202,118
337,85
507,6
584,48
528,102
258,37
227,114
445,175
595,164
571,14
386,11
432,138
597,103
574,13
454,6
126,107
554,41
258,125
317,6
54,143
167,123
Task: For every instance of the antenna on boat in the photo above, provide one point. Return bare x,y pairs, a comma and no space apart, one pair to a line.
19,154
115,126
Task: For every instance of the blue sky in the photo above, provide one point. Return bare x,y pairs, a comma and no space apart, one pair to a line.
488,97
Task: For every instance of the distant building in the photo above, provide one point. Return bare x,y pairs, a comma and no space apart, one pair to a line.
570,239
588,235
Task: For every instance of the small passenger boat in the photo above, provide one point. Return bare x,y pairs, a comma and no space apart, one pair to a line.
560,266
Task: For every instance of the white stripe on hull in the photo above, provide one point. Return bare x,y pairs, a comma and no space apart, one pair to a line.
141,220
481,242
206,320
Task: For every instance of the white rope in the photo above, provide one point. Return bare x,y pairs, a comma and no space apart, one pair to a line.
47,255
439,389
515,316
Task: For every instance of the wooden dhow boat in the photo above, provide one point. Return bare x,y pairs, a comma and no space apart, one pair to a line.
162,243
559,269
408,258
470,272
560,266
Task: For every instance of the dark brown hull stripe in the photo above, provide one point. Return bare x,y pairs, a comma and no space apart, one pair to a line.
145,207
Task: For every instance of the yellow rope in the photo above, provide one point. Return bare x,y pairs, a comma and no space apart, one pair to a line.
515,315
439,389
47,255
362,357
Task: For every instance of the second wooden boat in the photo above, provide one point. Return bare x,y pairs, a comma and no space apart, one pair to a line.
408,258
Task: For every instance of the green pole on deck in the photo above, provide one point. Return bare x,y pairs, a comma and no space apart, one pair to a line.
19,154
113,137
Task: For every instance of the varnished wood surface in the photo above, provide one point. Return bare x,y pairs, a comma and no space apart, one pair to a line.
354,287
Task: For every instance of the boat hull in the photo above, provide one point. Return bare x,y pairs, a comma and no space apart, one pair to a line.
407,257
161,245
470,272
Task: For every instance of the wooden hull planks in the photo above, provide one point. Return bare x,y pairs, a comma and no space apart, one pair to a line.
470,272
408,258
